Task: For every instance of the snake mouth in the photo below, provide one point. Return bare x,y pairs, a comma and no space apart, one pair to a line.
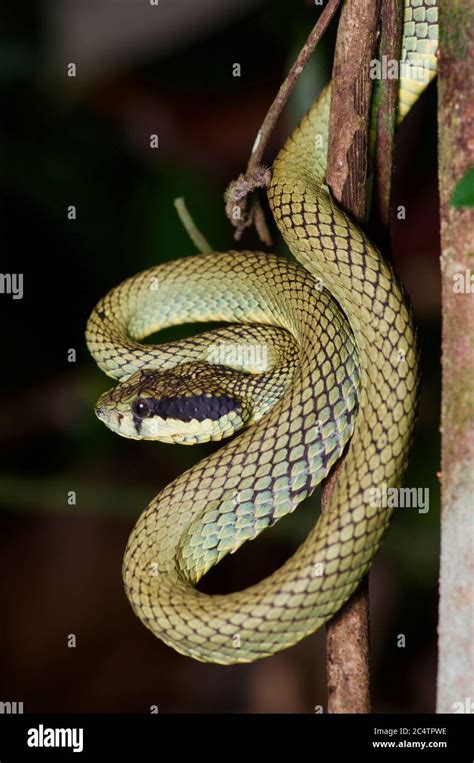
102,413
111,418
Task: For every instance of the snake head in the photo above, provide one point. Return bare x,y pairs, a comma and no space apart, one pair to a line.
188,404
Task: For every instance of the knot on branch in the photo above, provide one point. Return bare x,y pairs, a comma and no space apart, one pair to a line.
240,212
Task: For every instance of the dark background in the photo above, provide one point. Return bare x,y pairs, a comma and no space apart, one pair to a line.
84,141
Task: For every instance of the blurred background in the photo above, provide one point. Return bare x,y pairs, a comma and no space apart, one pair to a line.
164,69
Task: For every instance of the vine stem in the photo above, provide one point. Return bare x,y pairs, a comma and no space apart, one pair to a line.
255,175
200,242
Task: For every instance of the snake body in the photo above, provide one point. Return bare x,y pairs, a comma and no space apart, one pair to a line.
340,369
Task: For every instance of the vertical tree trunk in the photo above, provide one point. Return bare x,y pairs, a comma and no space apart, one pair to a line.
348,632
456,155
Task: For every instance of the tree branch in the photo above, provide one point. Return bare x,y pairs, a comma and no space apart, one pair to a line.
455,121
350,105
386,111
348,632
257,176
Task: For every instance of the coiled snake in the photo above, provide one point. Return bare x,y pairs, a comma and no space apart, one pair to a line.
317,354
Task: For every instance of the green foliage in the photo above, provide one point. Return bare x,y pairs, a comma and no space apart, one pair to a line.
463,194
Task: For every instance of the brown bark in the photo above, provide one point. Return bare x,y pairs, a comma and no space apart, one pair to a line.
350,107
456,155
386,111
348,632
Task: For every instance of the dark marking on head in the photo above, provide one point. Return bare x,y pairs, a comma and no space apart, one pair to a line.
101,314
185,408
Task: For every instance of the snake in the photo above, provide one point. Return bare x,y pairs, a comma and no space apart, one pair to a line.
317,360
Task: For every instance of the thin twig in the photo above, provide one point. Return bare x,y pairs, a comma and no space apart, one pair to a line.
239,212
348,632
200,242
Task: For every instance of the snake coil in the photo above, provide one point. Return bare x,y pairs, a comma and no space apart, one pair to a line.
340,368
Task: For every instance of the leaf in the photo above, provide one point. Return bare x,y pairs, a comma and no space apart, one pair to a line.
463,194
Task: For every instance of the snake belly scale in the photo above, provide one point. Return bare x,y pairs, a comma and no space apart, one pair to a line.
341,369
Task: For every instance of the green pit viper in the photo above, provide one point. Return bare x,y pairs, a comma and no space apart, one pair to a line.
317,354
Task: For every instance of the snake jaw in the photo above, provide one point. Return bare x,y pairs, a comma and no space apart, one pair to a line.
172,430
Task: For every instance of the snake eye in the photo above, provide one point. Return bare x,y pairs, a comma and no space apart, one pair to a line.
141,408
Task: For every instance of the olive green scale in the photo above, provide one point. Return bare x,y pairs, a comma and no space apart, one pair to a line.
341,368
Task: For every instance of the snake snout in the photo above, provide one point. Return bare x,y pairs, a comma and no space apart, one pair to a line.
106,413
